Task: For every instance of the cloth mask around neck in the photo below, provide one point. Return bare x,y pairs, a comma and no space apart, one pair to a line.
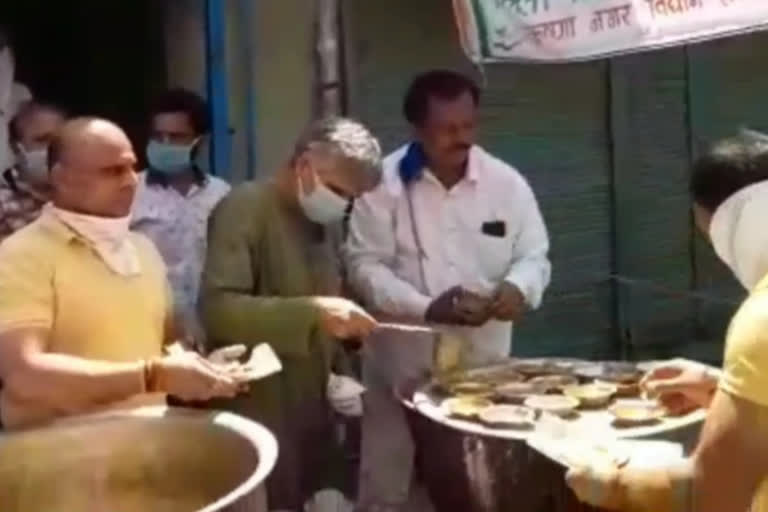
169,158
322,205
738,234
109,237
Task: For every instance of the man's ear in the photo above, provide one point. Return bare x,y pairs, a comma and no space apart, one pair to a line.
56,175
305,174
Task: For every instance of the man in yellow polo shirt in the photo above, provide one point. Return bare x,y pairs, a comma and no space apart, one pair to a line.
728,471
84,303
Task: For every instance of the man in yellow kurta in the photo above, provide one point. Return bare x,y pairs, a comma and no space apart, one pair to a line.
271,276
729,468
84,303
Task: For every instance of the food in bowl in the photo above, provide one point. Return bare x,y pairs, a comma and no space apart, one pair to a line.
465,407
507,416
470,388
516,392
558,405
591,395
630,389
553,382
534,368
495,375
610,371
637,412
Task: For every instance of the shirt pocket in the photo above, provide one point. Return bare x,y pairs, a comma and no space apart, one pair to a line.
493,252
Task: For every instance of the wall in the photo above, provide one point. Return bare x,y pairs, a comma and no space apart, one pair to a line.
269,58
606,146
84,64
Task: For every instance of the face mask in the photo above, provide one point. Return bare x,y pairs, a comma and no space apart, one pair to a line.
33,165
738,235
169,158
323,205
108,237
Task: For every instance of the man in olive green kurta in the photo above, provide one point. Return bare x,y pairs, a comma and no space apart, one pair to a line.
271,276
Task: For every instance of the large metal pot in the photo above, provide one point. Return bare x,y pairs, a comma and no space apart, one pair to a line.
473,471
151,459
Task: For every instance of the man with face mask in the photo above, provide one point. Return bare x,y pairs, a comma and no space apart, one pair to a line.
453,236
85,310
271,275
729,468
25,188
175,197
684,385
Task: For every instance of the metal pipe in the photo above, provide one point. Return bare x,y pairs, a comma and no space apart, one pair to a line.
247,36
327,50
216,82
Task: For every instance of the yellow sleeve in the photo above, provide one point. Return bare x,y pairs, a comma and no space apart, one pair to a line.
746,352
26,285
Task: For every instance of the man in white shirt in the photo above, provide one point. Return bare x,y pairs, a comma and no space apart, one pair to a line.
452,235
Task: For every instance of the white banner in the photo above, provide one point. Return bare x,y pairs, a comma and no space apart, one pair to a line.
571,30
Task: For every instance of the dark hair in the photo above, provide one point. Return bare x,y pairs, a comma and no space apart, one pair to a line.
440,84
28,110
185,101
728,166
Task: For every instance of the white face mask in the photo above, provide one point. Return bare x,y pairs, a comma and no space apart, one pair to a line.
739,236
108,237
33,165
323,205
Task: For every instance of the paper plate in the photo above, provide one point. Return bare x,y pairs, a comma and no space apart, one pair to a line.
553,404
573,453
507,416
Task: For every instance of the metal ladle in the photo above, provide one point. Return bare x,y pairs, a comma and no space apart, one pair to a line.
448,349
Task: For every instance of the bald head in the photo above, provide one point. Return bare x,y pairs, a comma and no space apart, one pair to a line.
93,168
75,134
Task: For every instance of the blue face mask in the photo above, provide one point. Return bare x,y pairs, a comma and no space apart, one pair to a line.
169,158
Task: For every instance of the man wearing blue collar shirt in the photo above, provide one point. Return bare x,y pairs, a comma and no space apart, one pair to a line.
453,236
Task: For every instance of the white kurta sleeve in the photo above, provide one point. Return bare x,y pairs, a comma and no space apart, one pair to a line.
369,254
531,271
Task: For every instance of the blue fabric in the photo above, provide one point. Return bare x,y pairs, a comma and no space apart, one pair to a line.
412,164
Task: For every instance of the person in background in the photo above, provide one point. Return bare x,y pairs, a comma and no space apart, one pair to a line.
25,188
272,275
84,302
452,235
12,96
728,470
175,197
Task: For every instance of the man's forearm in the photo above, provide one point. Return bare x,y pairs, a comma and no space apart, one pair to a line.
72,384
668,489
385,292
286,323
531,276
